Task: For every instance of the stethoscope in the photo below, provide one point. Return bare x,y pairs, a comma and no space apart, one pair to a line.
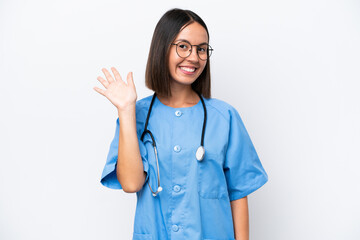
200,152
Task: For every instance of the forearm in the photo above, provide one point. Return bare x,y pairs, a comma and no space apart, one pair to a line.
240,214
129,169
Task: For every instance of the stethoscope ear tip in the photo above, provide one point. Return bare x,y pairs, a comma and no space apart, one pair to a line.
160,189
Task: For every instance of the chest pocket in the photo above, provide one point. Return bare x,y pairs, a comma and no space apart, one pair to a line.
211,177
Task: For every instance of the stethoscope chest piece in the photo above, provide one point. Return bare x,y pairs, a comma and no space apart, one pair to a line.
200,153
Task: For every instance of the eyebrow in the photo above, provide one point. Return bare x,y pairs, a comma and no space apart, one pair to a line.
184,40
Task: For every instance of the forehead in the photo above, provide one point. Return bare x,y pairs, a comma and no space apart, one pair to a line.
194,33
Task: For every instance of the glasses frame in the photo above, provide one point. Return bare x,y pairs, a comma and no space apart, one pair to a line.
209,49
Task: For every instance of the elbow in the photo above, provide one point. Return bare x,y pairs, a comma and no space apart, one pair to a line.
130,189
130,186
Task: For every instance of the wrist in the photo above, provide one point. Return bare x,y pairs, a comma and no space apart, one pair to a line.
127,111
127,108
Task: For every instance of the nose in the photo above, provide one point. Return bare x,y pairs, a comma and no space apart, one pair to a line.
193,55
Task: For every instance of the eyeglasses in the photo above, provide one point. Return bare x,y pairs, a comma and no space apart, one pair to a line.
184,49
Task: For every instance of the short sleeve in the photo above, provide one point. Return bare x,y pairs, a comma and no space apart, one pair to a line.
243,170
108,177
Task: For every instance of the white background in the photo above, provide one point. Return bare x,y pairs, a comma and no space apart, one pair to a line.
291,69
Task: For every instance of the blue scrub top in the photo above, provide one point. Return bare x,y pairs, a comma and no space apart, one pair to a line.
195,201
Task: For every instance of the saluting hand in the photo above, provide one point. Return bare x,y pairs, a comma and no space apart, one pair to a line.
121,94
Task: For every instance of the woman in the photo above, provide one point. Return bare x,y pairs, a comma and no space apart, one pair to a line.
187,156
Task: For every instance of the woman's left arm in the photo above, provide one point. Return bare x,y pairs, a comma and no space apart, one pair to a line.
240,214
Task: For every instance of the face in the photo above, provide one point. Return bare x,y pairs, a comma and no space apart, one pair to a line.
185,71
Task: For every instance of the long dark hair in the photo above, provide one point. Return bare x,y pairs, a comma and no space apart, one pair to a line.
157,76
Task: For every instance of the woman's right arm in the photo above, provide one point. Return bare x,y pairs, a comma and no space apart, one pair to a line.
129,170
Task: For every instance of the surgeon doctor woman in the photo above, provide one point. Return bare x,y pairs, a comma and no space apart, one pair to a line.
187,156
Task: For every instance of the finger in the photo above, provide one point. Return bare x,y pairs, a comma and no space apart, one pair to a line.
116,74
103,82
130,79
108,75
99,90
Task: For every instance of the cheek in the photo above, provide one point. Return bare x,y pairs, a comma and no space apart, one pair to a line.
172,63
173,58
203,65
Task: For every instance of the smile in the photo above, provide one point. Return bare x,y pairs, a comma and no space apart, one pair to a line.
188,70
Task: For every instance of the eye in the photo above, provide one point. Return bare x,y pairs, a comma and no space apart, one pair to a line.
202,48
183,46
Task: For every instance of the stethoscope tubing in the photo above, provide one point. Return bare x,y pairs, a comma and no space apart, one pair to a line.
199,153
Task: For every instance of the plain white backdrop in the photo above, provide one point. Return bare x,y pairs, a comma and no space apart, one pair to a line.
291,69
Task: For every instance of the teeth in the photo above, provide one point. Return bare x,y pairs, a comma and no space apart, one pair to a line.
188,69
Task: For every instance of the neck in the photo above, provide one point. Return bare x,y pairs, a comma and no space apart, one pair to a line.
180,97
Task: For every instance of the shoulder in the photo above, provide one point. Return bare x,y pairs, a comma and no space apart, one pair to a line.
226,110
142,107
144,102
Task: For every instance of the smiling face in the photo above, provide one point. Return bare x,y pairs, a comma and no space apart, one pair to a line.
185,71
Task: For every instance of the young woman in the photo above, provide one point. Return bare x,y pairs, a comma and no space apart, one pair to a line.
187,156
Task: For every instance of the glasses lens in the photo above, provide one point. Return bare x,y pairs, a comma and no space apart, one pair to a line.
183,49
203,51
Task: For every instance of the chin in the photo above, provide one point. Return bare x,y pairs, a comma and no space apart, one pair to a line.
185,81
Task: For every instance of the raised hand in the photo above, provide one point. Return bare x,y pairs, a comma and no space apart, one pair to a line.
122,95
